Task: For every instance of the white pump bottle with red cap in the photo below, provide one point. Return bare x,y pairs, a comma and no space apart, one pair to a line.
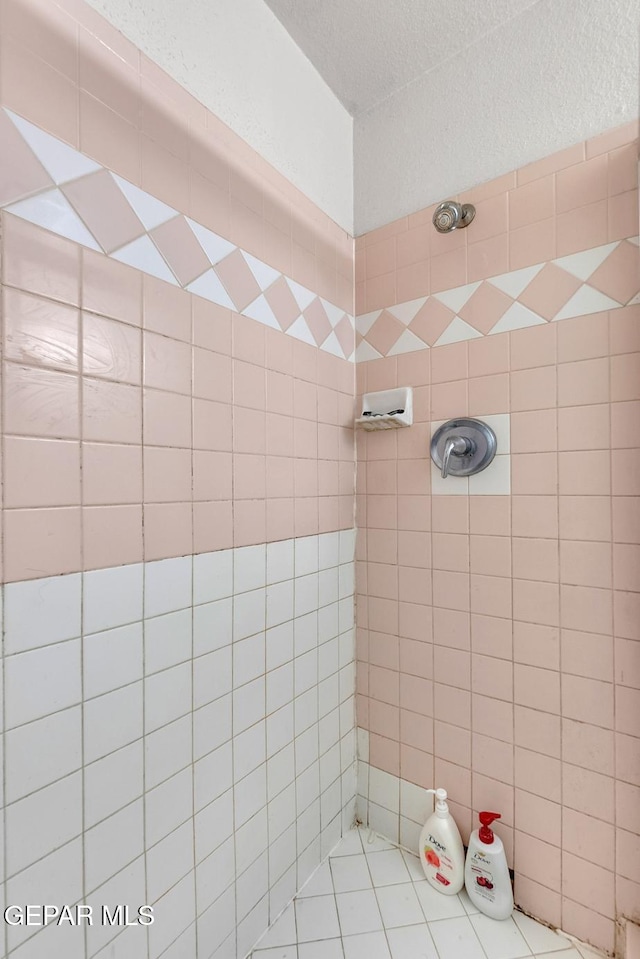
486,873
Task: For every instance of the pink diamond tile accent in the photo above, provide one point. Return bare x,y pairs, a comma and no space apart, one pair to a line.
619,275
431,321
385,332
21,174
549,291
106,212
181,250
317,321
487,305
238,280
282,302
344,332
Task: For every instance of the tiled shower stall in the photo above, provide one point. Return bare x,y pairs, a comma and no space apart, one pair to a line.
207,675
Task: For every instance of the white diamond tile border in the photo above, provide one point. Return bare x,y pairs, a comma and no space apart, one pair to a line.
49,209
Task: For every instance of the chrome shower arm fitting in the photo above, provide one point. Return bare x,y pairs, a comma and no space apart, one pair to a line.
455,446
453,216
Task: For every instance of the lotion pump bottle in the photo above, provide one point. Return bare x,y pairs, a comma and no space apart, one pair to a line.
441,849
486,874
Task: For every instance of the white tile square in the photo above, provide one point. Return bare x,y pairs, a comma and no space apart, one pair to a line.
217,925
212,776
374,842
249,659
325,949
347,545
411,942
213,825
212,576
112,659
167,751
368,945
306,746
328,586
279,687
437,906
316,918
43,821
495,480
113,844
249,613
451,486
330,802
249,568
212,726
126,886
388,868
41,752
113,782
167,640
282,932
358,912
350,873
278,952
212,626
328,550
167,696
212,676
279,645
169,860
500,940
281,811
399,904
41,611
168,806
346,580
249,750
328,622
384,789
250,795
248,705
279,603
306,594
500,423
280,564
456,937
56,878
305,633
307,787
42,681
305,671
167,585
363,744
283,890
214,875
280,770
250,928
412,863
539,938
279,729
346,614
415,802
112,597
319,884
306,555
252,885
251,840
328,658
329,766
178,905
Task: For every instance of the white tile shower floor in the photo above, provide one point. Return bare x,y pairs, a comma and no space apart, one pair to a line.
370,900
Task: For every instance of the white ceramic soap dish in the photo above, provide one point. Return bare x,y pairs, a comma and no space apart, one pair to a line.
387,410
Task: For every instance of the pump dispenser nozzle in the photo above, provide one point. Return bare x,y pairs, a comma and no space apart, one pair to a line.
485,834
442,810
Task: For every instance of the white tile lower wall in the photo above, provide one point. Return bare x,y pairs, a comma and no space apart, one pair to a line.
391,806
181,734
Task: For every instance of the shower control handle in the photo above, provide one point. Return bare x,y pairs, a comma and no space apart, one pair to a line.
455,446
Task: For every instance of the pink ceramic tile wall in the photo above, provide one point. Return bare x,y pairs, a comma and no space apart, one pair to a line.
66,69
498,640
142,422
580,198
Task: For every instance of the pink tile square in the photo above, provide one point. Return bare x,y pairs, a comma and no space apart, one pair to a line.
532,202
491,636
536,559
317,321
27,247
549,291
111,536
583,338
40,332
485,307
533,389
587,654
167,475
111,288
489,394
212,376
41,542
385,332
625,387
212,526
166,309
39,472
179,247
585,518
249,341
491,555
167,530
238,279
211,326
248,385
111,350
534,347
111,474
584,427
490,515
582,228
167,419
583,383
585,473
282,302
619,275
448,270
581,184
536,602
622,174
535,243
40,402
452,628
488,258
586,608
534,432
489,355
534,474
491,595
104,209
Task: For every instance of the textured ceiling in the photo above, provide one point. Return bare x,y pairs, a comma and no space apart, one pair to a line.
367,49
